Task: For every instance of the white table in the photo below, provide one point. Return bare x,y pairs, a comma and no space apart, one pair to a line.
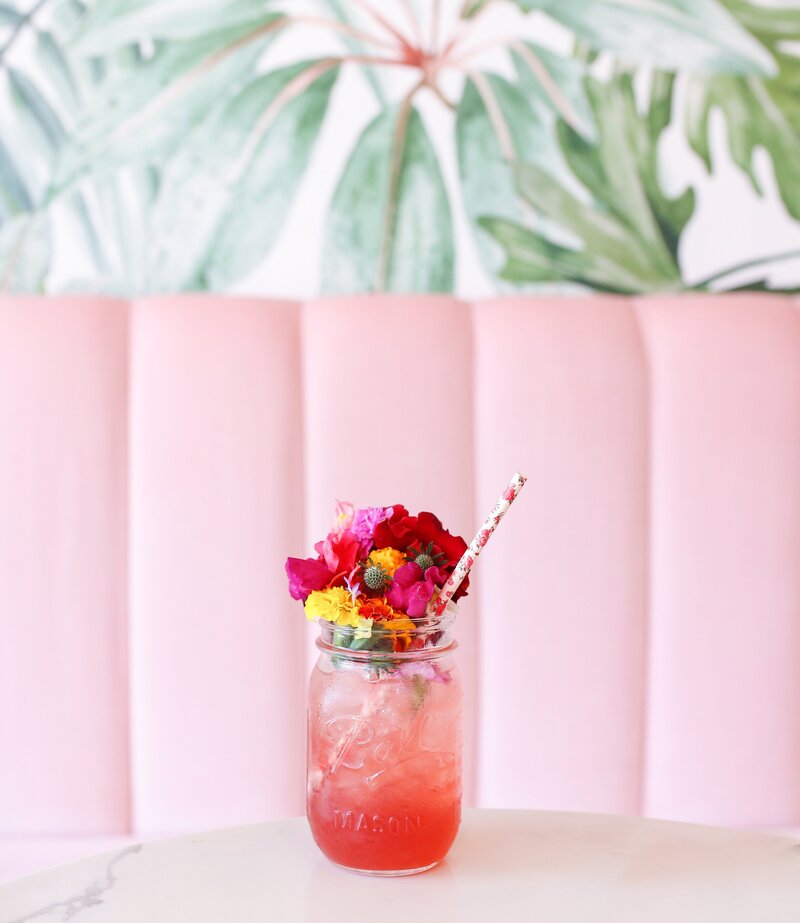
506,866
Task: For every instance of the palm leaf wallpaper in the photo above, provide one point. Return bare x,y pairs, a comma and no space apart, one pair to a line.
399,145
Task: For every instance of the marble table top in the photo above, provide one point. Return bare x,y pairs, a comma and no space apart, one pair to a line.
505,866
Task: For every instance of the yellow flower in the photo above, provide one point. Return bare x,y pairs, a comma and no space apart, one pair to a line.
389,559
334,605
348,617
363,629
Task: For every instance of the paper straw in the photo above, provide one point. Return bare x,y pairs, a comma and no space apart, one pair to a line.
459,575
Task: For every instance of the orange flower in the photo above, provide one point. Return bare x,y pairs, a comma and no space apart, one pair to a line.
397,624
400,628
377,609
388,558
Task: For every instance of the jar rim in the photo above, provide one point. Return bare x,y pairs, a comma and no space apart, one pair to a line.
424,653
435,629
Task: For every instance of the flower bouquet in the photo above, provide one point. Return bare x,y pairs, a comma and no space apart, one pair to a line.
385,700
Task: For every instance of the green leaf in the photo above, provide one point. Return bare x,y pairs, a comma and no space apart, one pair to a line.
531,258
9,16
54,64
25,253
621,171
125,203
338,9
671,214
226,192
389,227
35,107
259,203
37,142
14,195
83,216
624,227
341,638
757,112
115,24
471,8
42,94
146,110
698,35
567,76
497,129
67,16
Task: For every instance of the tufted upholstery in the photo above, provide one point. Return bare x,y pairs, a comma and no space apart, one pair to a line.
633,640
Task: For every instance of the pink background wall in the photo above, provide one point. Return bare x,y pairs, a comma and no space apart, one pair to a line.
633,641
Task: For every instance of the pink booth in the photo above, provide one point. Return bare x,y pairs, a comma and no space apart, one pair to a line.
161,458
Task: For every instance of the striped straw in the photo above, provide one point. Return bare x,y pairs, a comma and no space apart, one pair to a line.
459,575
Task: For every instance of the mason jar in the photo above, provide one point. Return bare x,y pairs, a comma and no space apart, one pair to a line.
384,746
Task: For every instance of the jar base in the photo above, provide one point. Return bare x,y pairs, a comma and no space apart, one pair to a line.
388,873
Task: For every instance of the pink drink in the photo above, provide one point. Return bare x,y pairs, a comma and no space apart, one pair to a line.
384,758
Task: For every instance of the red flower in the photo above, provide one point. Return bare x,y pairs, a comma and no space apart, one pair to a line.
423,539
337,558
340,552
398,531
403,531
430,529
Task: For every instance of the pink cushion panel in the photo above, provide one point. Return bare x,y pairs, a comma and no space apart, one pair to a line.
659,533
560,391
63,549
724,704
396,429
217,645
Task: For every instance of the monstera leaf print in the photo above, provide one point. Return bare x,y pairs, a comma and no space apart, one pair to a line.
501,125
497,129
143,113
758,111
672,34
399,235
112,25
175,136
40,93
620,233
226,191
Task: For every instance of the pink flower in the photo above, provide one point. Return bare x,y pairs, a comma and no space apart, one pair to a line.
305,575
340,550
337,558
365,521
412,590
344,516
426,670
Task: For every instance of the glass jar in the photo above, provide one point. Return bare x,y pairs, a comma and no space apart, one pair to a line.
384,747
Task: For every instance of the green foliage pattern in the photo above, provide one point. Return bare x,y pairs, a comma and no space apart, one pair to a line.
167,140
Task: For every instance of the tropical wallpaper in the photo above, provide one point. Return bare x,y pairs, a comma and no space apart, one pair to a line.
168,145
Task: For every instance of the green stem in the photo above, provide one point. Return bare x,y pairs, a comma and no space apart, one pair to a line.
19,26
741,267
